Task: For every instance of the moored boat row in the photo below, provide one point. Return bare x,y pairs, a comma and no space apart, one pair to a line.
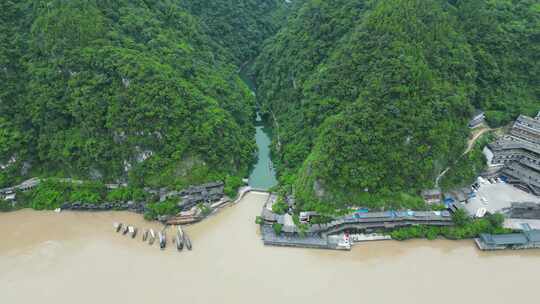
181,239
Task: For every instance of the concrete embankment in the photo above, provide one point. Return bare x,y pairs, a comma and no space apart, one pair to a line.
270,238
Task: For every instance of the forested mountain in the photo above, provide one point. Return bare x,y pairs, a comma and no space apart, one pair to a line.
239,25
91,88
369,99
505,39
373,97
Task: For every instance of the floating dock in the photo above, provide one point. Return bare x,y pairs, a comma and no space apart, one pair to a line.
523,240
315,241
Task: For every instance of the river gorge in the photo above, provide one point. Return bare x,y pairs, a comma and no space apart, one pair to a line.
76,257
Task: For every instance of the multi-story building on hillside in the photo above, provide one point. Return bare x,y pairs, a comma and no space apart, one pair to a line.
519,153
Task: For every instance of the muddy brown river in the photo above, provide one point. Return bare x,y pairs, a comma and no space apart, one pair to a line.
77,258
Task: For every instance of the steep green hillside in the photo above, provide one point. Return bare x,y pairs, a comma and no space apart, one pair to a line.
369,98
373,97
505,40
90,88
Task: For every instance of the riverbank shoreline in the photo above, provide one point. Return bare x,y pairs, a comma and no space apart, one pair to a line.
54,258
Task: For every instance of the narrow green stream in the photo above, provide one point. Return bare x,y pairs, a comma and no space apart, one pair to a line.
263,175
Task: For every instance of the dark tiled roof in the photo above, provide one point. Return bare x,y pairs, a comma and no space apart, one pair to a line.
533,235
527,122
504,239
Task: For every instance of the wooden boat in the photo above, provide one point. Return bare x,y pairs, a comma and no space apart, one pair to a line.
183,220
179,242
187,241
117,226
145,235
162,240
180,231
126,230
133,231
152,237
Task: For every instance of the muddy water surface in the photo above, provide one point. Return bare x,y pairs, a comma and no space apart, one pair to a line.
77,258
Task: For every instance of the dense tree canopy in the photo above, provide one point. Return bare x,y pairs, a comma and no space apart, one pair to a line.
240,25
369,99
374,96
90,88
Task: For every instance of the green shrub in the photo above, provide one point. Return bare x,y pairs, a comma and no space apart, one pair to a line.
47,199
232,184
464,229
49,195
438,207
5,206
124,194
119,195
303,229
461,218
277,228
280,207
84,196
168,207
205,210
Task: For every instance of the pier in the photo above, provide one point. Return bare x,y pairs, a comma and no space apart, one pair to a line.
326,235
524,240
315,241
322,235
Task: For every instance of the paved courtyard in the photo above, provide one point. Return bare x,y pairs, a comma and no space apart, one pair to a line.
519,224
495,197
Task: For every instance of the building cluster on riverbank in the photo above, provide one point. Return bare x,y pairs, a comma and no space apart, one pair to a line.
517,154
513,158
190,200
335,234
511,187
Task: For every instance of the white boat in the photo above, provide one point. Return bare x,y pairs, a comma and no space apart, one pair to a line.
480,213
126,229
152,237
57,210
162,240
133,231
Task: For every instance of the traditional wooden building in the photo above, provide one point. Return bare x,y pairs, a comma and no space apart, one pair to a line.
519,153
478,119
432,196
